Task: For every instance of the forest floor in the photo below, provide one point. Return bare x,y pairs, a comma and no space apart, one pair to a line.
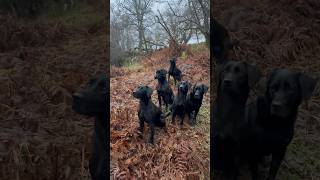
281,34
41,64
182,153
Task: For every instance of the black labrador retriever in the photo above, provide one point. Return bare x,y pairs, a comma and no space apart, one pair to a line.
220,41
273,115
148,111
220,44
93,101
179,104
174,71
194,100
163,88
234,83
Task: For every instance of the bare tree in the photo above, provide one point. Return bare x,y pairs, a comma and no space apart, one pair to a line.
200,16
138,10
173,22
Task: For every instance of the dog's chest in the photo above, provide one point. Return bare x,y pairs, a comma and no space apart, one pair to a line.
147,112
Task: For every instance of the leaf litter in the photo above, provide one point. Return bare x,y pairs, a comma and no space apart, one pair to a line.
178,154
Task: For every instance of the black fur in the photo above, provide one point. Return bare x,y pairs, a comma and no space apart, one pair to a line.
163,88
174,71
273,116
179,103
220,41
93,101
229,125
194,100
148,111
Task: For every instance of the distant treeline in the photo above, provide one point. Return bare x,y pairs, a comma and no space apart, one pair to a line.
32,8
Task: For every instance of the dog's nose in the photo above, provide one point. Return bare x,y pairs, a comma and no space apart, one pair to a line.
227,81
76,96
276,104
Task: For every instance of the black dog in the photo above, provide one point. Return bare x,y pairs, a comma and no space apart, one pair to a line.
174,71
194,100
93,101
219,41
148,111
179,103
273,116
163,88
234,83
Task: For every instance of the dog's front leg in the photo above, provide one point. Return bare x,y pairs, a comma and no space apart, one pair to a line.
182,118
173,116
159,98
151,138
254,169
141,123
277,158
195,114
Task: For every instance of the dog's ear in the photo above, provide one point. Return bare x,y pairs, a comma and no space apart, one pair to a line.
254,74
205,88
307,85
165,71
149,91
269,77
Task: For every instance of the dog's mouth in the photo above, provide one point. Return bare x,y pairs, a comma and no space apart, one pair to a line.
197,96
134,94
279,111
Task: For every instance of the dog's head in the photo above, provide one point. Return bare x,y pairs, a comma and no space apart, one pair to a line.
236,77
183,87
173,61
199,90
286,90
142,92
160,74
92,100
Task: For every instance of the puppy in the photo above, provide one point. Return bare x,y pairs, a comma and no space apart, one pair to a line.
274,115
234,83
194,100
148,112
179,103
93,101
163,88
174,71
220,41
